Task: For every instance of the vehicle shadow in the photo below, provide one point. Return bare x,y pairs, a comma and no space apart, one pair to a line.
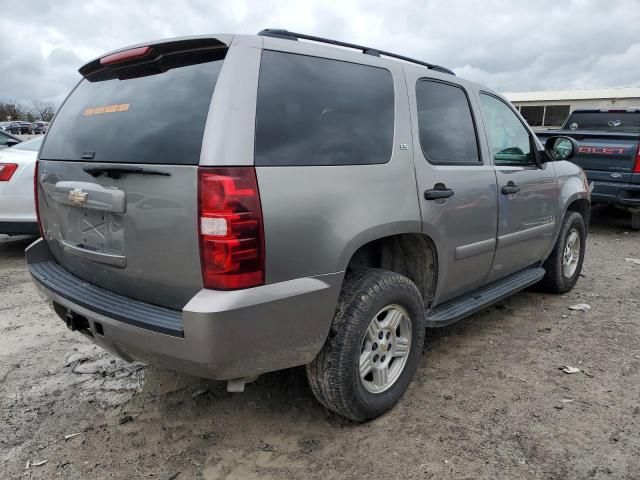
606,219
284,397
12,248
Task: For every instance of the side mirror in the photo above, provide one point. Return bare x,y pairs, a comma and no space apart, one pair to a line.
11,143
560,148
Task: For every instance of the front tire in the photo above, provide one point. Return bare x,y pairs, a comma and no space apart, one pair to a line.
373,347
564,265
635,221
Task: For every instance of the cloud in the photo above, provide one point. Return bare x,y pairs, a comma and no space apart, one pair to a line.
509,46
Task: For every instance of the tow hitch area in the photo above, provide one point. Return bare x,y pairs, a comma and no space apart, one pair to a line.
237,384
77,322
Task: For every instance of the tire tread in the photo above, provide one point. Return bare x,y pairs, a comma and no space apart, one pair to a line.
327,376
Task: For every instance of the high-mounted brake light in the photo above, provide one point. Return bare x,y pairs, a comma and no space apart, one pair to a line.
6,171
636,168
231,229
125,56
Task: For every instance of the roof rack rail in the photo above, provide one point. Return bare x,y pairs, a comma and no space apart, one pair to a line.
287,35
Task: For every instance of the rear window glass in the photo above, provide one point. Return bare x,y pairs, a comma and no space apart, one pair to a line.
315,111
612,121
150,118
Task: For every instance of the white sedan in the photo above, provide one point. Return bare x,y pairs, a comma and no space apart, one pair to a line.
17,206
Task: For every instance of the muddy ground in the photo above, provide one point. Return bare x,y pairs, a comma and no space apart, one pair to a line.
488,400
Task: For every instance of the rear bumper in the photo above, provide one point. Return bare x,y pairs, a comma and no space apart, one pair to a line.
217,335
612,193
19,228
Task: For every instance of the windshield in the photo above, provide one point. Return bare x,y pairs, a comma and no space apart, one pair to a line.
610,121
32,145
145,117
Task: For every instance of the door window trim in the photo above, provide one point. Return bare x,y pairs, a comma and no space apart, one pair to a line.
532,143
480,161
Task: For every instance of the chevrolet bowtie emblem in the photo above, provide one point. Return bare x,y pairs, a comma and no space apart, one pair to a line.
77,197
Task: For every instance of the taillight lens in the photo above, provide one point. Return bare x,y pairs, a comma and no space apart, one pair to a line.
6,171
231,230
126,56
35,198
636,168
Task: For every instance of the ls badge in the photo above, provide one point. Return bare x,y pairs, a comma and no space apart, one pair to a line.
77,197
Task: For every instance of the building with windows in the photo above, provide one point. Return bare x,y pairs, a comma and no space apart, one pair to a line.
550,109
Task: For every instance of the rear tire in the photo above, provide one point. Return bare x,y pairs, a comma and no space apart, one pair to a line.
564,265
635,221
373,347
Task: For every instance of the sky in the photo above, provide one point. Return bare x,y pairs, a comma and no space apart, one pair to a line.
510,46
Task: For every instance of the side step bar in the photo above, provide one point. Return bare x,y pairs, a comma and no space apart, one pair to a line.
461,307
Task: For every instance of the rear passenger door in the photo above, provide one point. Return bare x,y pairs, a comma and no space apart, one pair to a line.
527,193
457,189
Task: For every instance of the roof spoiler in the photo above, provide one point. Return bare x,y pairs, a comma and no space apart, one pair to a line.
149,53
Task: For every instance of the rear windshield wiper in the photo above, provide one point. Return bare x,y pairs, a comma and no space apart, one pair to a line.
117,172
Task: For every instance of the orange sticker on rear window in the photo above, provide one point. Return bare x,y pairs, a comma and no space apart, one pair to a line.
116,107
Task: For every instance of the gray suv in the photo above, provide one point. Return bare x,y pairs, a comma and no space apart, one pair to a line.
229,205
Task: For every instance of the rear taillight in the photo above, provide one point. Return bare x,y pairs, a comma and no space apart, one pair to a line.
636,168
231,230
6,171
35,198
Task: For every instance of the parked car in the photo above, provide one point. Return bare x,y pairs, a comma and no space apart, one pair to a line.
609,152
18,128
40,127
12,127
17,209
27,128
7,140
304,205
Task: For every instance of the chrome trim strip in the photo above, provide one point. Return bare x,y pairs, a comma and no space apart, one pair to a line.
473,249
100,257
527,234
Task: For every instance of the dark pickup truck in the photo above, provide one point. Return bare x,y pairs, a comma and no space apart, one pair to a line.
609,153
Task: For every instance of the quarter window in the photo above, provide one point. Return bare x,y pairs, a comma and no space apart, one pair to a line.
446,130
316,111
509,139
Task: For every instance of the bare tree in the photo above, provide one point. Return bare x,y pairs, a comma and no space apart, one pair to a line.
43,110
12,110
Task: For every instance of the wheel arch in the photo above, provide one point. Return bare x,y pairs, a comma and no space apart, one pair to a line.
576,202
411,254
581,205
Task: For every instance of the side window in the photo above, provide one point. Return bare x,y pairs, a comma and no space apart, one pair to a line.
316,111
445,125
3,139
509,140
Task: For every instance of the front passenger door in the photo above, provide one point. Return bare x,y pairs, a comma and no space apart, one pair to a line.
527,192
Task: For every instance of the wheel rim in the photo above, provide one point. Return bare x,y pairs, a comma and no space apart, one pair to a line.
385,349
571,253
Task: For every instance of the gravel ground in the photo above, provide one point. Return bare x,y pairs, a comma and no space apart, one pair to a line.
488,400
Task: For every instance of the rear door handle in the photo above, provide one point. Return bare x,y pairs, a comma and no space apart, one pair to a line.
439,190
510,188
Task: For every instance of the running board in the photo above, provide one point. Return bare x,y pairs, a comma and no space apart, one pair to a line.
461,307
